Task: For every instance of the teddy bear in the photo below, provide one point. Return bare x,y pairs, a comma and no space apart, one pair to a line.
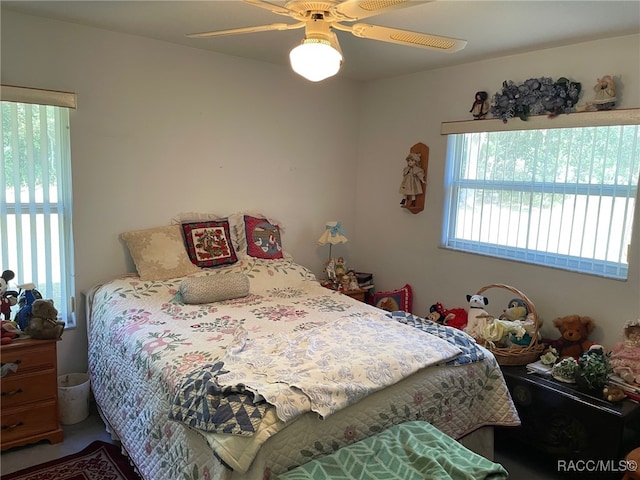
625,356
574,331
43,323
8,298
477,317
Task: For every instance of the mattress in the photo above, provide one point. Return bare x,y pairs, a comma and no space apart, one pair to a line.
145,342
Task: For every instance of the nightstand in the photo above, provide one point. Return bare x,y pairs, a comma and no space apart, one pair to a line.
357,294
564,424
29,408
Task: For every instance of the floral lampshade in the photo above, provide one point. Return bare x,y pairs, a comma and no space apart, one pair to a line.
333,235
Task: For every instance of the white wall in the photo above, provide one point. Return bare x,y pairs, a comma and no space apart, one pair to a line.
161,129
400,247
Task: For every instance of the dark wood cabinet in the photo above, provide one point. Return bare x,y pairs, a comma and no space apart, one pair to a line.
570,428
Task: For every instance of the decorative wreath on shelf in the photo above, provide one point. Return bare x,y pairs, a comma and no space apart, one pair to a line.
536,96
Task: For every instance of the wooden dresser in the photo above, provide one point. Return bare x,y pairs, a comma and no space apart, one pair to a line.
29,402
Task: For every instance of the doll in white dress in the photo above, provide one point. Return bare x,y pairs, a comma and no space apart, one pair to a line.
412,179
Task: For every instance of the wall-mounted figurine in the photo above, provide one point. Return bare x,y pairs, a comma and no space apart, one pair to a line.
480,106
413,176
605,91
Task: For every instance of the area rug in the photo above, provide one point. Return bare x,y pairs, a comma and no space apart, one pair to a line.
99,461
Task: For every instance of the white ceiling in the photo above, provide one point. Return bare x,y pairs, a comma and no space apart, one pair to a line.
492,28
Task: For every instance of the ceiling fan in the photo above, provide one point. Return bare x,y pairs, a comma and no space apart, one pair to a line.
319,55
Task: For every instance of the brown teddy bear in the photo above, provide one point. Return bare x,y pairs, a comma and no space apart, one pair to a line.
575,331
44,323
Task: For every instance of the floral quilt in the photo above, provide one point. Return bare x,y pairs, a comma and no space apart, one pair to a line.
144,341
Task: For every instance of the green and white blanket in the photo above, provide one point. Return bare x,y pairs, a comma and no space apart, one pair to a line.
409,451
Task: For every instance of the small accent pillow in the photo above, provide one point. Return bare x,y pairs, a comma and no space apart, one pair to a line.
209,243
214,288
159,253
400,299
263,238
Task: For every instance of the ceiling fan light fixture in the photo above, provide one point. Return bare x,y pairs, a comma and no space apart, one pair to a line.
316,59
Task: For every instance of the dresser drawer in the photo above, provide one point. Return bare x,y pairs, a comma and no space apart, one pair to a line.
22,422
22,389
39,356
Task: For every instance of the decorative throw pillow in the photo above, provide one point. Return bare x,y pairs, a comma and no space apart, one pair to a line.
159,253
214,288
209,243
401,299
263,238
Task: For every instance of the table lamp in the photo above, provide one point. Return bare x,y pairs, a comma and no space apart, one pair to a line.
333,235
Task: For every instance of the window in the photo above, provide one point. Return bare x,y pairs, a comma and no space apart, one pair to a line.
35,211
562,197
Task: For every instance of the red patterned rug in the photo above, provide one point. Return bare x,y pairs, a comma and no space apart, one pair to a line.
99,461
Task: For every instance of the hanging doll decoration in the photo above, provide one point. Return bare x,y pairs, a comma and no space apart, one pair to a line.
413,177
480,106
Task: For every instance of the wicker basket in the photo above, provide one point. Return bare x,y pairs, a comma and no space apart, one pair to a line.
517,355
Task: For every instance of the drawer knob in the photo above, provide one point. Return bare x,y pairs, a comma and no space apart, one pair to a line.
11,427
12,392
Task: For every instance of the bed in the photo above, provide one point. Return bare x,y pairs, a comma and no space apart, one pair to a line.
163,370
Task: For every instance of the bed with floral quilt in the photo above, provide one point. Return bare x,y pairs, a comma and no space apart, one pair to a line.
253,386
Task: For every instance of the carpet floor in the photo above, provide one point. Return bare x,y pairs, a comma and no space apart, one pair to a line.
99,461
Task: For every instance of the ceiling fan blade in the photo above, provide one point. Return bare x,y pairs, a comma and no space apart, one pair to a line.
405,37
259,28
352,10
272,7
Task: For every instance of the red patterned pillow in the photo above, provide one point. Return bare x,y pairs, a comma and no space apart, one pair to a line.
209,243
401,299
263,238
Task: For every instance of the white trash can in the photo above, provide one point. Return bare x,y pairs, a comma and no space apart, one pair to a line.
73,398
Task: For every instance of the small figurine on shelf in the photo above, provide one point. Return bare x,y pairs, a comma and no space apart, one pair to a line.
412,179
605,91
353,280
341,269
480,106
344,283
331,270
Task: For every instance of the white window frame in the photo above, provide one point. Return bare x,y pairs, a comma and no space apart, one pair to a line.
454,185
43,214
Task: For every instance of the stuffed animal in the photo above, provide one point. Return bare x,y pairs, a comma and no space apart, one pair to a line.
477,317
625,356
516,310
455,317
28,295
43,323
436,313
574,331
8,332
8,298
